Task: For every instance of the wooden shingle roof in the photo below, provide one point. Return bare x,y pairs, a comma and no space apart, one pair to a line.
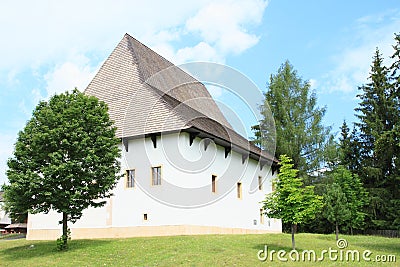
147,94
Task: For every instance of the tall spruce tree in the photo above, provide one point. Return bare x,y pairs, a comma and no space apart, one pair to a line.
349,148
392,137
298,120
378,119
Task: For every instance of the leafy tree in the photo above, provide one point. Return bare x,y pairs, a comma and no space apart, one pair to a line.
336,206
290,201
65,159
299,130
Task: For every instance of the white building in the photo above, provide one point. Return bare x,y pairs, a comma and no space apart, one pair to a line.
186,170
4,219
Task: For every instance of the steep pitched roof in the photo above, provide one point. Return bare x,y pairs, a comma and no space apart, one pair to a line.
147,94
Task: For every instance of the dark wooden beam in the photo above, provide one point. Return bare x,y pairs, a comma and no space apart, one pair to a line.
207,141
227,151
192,136
262,163
154,140
244,157
125,143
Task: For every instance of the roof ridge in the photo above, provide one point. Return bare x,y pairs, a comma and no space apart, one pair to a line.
134,45
156,69
134,54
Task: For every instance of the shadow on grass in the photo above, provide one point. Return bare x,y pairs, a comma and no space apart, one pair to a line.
382,246
271,247
47,248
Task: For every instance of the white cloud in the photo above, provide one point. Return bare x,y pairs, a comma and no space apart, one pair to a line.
313,84
46,31
215,91
224,23
352,64
55,34
68,76
201,52
221,28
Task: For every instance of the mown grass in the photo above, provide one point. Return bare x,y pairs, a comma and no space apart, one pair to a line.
206,250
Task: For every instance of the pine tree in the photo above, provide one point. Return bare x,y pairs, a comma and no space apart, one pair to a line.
393,136
356,196
336,206
349,148
378,115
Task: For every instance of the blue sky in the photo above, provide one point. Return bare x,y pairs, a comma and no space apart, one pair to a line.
52,46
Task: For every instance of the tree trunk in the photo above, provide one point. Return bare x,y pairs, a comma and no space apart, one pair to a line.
351,230
337,231
65,229
293,232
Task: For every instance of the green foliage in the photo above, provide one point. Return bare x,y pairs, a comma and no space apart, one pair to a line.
355,194
336,209
299,130
349,148
379,139
65,159
290,201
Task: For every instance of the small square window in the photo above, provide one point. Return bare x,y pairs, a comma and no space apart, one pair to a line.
130,178
156,175
239,190
214,183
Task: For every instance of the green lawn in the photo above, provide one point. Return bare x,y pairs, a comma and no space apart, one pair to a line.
206,250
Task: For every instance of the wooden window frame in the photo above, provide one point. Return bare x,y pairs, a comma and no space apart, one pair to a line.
128,183
156,181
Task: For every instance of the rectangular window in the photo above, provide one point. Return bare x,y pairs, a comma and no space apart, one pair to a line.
156,175
130,178
260,182
145,217
214,183
261,216
239,190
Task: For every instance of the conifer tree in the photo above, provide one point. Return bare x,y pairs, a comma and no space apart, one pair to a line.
378,114
336,206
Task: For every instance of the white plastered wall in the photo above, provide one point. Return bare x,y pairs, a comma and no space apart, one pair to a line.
184,196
